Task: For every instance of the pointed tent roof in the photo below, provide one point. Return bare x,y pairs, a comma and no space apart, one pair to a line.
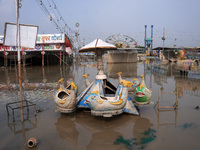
97,44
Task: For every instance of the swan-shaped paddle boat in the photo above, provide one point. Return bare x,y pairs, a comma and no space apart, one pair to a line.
142,94
135,82
104,99
107,105
65,97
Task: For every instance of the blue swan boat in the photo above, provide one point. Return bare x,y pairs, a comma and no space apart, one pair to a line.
104,99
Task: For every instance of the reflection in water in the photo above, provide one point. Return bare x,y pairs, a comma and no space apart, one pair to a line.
128,70
98,124
188,86
141,128
66,129
38,83
189,126
104,140
83,131
35,74
103,129
166,117
142,133
22,127
162,71
164,68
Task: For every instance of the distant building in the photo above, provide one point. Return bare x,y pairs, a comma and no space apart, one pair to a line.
45,44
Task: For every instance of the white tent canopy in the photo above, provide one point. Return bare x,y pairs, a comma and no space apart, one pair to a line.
97,44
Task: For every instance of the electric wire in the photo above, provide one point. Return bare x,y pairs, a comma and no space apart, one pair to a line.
54,17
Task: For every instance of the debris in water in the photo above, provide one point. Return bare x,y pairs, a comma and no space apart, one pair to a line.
39,110
32,142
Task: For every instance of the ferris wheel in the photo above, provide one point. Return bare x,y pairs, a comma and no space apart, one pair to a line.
121,41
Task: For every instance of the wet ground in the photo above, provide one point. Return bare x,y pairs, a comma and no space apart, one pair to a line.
153,129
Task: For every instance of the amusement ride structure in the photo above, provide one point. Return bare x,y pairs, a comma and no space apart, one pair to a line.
148,42
101,96
122,41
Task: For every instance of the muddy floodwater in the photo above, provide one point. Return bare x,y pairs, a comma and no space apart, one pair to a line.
153,129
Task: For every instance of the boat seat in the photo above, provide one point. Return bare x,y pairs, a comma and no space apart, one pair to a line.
112,98
104,98
109,95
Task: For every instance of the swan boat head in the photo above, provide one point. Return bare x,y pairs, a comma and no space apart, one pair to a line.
142,94
65,98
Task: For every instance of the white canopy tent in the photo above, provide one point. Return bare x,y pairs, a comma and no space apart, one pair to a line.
98,46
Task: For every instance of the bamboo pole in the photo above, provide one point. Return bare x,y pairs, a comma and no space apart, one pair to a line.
19,59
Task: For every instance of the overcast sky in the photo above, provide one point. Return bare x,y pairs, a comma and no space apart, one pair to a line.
103,18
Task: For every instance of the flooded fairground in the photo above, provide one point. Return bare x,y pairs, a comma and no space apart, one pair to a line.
159,126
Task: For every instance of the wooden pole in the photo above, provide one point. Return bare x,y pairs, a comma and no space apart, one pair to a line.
42,55
64,53
4,58
47,57
100,63
44,77
6,61
60,57
176,98
24,58
19,59
42,58
159,99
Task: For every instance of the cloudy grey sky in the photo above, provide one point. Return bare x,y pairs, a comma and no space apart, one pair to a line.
103,18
